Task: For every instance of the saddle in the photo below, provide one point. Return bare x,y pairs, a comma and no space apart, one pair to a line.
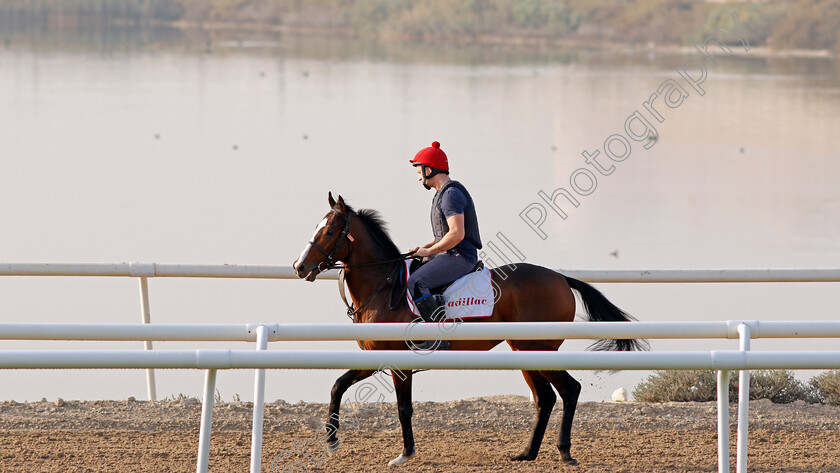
399,287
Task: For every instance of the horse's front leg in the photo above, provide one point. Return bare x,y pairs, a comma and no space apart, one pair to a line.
342,384
402,383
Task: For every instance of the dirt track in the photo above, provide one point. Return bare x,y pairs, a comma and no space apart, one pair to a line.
471,436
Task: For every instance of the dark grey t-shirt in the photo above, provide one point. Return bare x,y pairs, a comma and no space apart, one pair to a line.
454,202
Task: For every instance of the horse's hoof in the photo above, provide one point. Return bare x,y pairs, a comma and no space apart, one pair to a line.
566,457
332,445
523,457
400,460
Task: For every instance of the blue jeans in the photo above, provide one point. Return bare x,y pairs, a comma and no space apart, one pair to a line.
441,269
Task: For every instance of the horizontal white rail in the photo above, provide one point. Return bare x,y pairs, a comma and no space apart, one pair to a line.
286,272
706,275
402,359
151,270
130,332
420,331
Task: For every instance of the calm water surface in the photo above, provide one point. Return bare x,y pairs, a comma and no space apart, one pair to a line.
144,146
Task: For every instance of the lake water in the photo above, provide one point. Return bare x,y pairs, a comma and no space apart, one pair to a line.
136,145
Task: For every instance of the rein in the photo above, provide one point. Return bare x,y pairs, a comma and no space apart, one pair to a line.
402,257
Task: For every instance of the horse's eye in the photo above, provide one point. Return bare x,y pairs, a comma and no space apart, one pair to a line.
330,232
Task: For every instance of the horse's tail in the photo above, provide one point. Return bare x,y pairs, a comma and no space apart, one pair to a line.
602,310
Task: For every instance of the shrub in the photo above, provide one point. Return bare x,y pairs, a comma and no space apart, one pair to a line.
679,386
552,17
826,387
701,386
757,21
779,386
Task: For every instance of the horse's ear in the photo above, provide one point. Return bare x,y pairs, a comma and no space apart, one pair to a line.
340,204
331,200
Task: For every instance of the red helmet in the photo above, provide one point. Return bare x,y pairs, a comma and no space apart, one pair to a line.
433,156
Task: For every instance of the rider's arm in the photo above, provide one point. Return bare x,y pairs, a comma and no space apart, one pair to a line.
426,246
454,236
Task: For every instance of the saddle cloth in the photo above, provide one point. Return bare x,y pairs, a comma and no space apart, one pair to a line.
469,297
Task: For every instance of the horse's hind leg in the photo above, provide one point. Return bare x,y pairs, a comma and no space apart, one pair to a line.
544,399
342,384
569,389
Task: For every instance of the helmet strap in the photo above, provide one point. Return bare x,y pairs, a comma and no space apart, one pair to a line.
423,168
432,174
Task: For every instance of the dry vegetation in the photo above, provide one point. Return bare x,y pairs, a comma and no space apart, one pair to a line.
779,386
806,24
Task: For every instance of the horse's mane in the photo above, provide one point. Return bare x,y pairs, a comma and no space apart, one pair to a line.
378,228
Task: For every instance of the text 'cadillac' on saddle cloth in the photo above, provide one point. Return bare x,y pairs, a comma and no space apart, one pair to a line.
470,296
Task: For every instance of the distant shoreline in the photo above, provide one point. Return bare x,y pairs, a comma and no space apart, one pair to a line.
480,39
774,28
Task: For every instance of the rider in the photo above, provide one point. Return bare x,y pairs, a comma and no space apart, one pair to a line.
454,251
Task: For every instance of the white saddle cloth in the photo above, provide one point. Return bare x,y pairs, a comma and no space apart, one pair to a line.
470,296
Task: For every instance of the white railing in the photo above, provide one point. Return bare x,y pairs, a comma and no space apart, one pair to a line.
472,331
265,332
286,272
143,271
211,360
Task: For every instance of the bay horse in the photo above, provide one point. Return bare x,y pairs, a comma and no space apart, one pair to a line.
524,293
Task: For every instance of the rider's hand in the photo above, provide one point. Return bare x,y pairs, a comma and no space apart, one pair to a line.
422,252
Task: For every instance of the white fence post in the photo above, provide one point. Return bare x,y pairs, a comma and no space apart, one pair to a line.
743,403
259,405
723,421
206,422
151,388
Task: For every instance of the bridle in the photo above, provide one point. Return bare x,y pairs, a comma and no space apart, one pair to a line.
328,263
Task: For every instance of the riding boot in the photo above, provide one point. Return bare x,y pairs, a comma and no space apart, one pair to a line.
432,309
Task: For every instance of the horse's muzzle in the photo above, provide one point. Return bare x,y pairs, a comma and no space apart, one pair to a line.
313,274
298,269
302,273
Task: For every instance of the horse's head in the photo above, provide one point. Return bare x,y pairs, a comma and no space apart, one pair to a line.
331,240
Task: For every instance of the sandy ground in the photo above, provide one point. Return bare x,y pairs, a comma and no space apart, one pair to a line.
476,435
